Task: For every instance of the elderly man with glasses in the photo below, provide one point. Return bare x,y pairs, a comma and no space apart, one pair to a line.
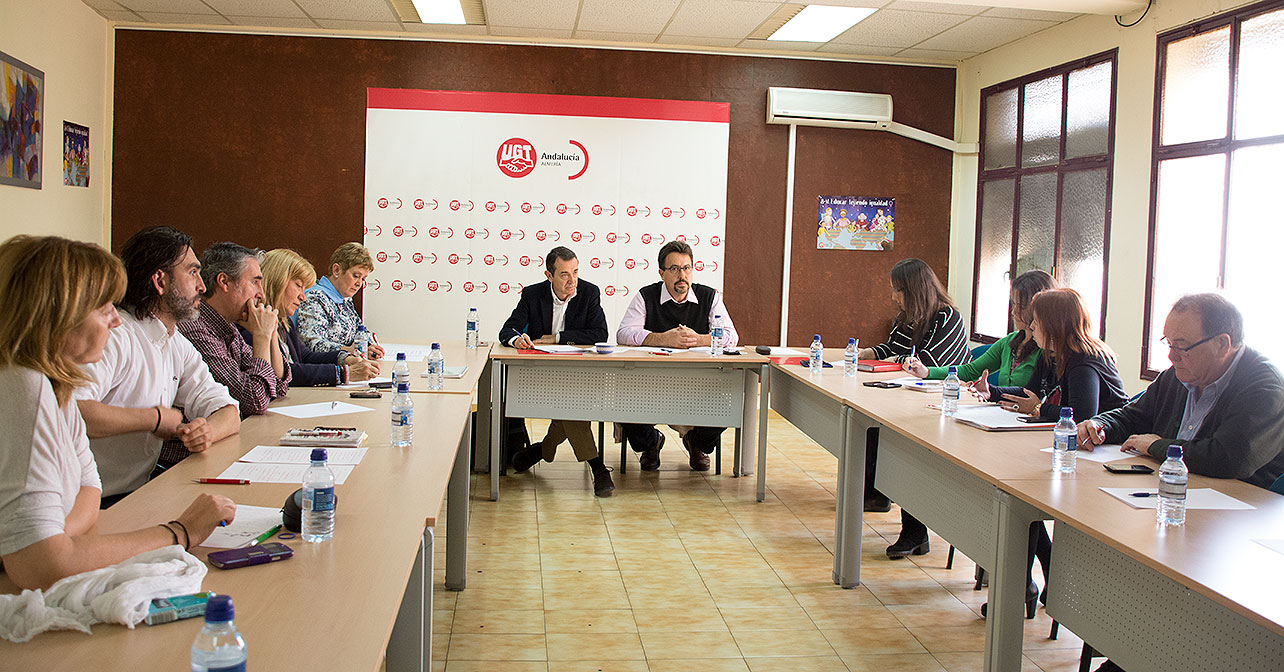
1221,401
674,313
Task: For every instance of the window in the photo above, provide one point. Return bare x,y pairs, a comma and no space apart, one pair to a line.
1218,152
1043,198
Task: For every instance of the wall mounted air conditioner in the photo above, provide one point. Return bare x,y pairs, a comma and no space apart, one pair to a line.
847,109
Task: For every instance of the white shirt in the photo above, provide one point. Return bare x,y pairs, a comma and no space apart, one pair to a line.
44,460
143,365
559,312
632,331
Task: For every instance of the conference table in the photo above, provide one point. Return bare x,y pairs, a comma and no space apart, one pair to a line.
340,605
683,387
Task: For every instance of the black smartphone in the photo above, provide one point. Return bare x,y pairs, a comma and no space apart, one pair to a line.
385,384
881,383
365,394
1128,469
235,558
807,363
1032,419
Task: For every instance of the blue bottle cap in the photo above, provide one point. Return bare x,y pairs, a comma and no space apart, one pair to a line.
1174,451
851,341
1067,412
361,327
954,370
436,346
219,609
401,356
319,455
816,337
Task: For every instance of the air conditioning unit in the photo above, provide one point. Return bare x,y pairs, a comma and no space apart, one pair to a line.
817,107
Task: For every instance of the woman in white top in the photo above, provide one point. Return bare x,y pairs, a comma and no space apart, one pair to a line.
56,310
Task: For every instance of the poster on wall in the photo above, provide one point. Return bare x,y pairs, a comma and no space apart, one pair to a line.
22,114
75,154
466,193
855,223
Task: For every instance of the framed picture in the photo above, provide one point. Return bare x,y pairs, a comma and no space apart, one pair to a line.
22,121
75,154
856,223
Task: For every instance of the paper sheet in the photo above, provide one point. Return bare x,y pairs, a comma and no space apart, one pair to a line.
257,472
996,418
363,384
1276,545
414,353
1196,498
653,350
319,410
1106,452
786,352
553,349
449,372
302,455
915,380
618,348
251,521
707,349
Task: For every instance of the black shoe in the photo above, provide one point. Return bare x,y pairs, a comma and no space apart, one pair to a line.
878,503
1109,666
526,458
904,547
698,459
649,459
602,484
1031,602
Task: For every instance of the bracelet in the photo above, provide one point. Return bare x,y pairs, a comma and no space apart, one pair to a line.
171,531
158,420
187,536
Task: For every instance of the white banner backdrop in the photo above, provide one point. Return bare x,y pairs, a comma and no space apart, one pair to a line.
467,192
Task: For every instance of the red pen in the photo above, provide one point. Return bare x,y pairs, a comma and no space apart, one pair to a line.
222,481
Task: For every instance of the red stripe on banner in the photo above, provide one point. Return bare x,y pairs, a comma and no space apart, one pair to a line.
536,103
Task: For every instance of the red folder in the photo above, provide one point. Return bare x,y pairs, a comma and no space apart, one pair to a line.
877,366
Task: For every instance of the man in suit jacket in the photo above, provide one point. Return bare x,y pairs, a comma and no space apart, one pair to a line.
560,310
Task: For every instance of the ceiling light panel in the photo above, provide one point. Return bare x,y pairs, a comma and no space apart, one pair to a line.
895,28
820,23
440,11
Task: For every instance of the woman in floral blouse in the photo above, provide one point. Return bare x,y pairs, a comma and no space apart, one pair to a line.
327,320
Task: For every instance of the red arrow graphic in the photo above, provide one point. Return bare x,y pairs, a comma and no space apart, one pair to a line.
486,236
398,257
613,213
470,260
645,264
505,259
586,161
434,257
541,208
449,285
662,238
697,239
593,237
684,213
523,232
577,208
648,211
716,213
626,237
416,231
485,286
451,234
506,206
378,230
611,262
398,203
470,208
374,281
558,234
413,285
434,204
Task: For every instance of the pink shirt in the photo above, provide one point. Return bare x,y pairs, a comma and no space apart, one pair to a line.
632,331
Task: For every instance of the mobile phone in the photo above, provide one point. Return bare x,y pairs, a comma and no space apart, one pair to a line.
1031,419
382,384
1128,469
235,558
365,394
881,383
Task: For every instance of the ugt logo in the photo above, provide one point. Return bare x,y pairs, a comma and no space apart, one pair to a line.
516,157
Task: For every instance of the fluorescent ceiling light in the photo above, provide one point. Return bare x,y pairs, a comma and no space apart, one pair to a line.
440,11
820,23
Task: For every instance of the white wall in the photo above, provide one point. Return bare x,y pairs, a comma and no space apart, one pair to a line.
70,43
1125,303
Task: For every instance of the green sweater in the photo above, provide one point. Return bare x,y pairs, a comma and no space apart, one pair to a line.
997,360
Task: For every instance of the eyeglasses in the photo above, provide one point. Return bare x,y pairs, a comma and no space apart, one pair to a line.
1185,349
678,269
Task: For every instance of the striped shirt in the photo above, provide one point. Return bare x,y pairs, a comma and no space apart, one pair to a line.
945,342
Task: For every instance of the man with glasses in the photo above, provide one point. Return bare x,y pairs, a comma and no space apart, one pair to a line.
674,313
1221,401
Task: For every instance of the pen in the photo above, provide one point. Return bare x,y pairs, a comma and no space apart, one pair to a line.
222,481
265,536
1143,494
334,404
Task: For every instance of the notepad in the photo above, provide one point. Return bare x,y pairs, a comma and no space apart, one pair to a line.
996,419
256,472
319,409
302,455
362,384
414,353
1196,498
251,521
449,372
1106,452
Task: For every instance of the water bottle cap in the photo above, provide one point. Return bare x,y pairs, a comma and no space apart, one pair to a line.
717,316
403,388
436,346
361,327
1174,451
401,356
816,337
851,341
954,370
1067,412
319,455
219,609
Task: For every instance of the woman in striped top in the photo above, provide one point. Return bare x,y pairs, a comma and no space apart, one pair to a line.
929,326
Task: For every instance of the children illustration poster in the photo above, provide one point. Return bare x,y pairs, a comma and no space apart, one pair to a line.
22,113
855,223
75,154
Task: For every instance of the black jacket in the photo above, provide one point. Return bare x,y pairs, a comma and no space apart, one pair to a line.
533,316
1090,385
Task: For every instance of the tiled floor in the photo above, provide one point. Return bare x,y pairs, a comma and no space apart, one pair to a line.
685,571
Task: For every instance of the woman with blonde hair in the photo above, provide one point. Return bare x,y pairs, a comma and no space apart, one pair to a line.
286,275
56,311
327,320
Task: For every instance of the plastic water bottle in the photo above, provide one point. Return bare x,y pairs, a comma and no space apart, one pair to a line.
817,360
436,368
219,647
318,499
403,417
362,341
471,335
1173,475
849,357
401,370
1065,440
716,335
950,393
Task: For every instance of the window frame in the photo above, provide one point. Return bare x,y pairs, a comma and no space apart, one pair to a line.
1226,145
1061,167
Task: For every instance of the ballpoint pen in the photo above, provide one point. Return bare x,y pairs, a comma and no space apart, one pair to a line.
221,481
265,536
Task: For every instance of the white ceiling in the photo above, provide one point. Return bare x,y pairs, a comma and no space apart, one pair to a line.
945,31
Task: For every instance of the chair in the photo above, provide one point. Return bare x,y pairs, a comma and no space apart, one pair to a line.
979,350
1278,485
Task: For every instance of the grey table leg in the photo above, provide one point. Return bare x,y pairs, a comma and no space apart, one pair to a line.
481,452
849,517
496,425
764,391
1003,628
410,645
457,516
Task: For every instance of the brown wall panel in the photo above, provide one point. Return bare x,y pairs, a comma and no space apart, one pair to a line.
261,140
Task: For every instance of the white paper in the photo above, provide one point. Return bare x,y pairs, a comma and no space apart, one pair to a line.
554,349
915,380
257,472
653,350
1276,545
991,417
319,409
251,521
362,384
414,353
1196,498
786,352
707,349
1106,452
302,455
618,348
449,372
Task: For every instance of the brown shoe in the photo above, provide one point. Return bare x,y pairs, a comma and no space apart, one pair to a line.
699,459
602,484
649,459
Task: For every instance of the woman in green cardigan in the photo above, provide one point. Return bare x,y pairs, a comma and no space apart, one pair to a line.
1012,357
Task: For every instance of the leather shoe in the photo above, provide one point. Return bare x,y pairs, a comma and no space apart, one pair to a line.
526,458
904,547
649,459
878,504
1109,666
1031,598
602,484
699,460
